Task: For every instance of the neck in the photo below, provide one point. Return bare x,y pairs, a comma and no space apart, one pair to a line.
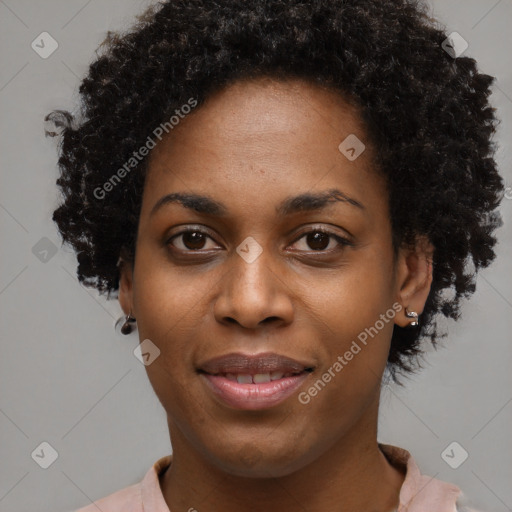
352,475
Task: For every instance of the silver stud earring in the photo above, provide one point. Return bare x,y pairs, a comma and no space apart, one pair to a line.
125,324
414,316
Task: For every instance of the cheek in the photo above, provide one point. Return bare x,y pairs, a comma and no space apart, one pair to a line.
352,311
169,309
354,352
167,300
170,319
353,296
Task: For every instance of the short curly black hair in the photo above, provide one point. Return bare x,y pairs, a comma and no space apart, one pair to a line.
426,112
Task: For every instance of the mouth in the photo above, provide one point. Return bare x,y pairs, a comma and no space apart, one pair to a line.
253,382
256,378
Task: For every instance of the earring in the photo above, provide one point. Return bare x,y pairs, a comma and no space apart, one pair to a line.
126,324
414,316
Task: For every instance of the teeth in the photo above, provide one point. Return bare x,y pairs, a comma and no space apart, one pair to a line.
261,377
244,379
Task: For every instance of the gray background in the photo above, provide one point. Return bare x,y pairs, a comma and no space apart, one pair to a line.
65,376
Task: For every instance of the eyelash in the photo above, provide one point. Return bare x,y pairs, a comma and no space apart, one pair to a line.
343,242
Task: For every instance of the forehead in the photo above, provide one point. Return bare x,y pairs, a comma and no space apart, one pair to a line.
263,134
267,110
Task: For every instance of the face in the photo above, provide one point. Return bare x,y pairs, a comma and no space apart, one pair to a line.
248,269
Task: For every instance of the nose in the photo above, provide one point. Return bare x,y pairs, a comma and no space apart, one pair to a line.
253,294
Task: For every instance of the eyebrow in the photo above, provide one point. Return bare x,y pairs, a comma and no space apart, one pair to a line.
307,201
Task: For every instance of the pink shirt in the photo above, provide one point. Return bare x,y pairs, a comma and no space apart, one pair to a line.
419,493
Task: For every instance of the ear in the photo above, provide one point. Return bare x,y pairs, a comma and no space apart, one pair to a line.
414,278
126,286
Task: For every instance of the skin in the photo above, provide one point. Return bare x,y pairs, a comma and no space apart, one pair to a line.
250,146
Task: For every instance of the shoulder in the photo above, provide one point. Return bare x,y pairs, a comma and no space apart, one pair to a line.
463,505
144,496
421,492
124,500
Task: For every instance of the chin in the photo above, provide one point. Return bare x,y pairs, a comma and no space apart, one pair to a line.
265,461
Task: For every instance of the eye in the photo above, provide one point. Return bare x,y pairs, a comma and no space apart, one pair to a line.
322,240
317,240
189,240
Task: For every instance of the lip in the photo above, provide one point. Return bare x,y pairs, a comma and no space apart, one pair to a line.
265,362
253,396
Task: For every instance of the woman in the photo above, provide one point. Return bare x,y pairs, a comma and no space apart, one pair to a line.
282,193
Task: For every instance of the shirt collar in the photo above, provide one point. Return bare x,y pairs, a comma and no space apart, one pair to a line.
420,492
